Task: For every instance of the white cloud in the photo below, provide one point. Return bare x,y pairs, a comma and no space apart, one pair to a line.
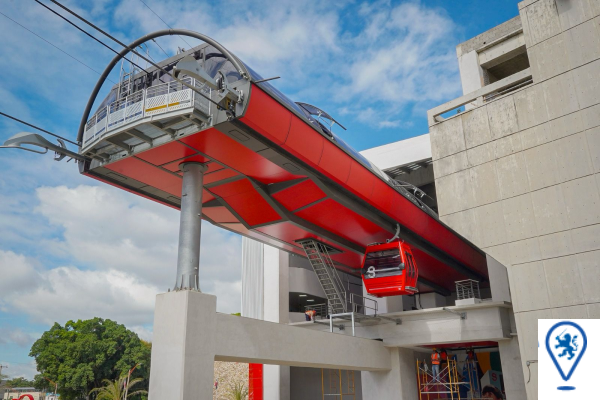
17,370
15,336
125,249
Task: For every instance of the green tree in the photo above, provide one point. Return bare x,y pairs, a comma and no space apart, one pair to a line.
115,390
19,382
81,355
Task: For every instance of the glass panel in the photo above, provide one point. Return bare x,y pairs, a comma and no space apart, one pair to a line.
383,261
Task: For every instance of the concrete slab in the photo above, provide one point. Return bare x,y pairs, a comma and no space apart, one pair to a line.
564,281
528,337
502,117
535,136
527,325
508,145
481,154
582,202
542,166
566,125
556,244
447,138
530,110
586,238
550,57
490,217
484,182
476,127
588,84
464,222
583,42
519,218
499,252
451,164
593,140
561,94
512,175
593,310
543,21
573,157
550,210
455,192
589,265
528,284
591,117
572,312
524,251
572,13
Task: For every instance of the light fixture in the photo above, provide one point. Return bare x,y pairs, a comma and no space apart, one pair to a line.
302,295
310,300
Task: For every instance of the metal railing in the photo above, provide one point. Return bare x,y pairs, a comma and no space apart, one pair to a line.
362,304
467,289
503,86
321,310
159,99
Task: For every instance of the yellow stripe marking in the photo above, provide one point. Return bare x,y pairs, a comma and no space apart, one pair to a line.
163,106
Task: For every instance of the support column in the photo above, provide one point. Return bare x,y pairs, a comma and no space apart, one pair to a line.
183,346
276,378
190,220
398,384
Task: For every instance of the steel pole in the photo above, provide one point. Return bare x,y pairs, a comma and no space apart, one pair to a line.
188,257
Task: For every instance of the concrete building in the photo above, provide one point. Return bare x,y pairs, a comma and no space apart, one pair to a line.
513,165
517,173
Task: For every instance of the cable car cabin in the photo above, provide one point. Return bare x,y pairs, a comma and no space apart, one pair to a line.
389,269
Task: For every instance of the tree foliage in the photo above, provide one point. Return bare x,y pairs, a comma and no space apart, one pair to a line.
19,382
81,355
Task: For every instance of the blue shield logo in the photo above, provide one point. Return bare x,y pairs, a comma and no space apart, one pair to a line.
566,342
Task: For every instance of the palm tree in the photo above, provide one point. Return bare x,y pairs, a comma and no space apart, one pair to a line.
238,391
115,390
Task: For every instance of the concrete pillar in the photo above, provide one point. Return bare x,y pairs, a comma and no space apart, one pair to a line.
512,367
276,378
400,383
190,220
182,366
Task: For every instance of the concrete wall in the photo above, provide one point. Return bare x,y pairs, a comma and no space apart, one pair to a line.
307,383
520,176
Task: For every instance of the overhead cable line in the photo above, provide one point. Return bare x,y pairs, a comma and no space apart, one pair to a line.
195,89
163,50
90,35
164,22
38,128
53,45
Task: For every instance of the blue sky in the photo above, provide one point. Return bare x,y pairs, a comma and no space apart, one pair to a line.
72,248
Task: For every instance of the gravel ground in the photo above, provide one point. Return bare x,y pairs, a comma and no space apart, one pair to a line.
227,373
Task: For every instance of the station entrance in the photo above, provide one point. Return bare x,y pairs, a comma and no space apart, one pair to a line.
463,374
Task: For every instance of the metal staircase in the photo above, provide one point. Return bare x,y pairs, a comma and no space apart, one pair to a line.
328,275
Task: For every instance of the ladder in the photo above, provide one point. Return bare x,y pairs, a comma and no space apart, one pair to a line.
327,274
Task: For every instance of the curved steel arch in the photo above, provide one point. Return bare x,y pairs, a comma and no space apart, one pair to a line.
164,32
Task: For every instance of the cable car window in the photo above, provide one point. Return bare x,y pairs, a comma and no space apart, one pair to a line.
384,262
411,264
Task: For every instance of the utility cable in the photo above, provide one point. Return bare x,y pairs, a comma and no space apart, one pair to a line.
38,128
169,26
90,35
53,45
195,89
163,50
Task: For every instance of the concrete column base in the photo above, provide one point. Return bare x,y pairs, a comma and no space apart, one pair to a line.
398,384
182,346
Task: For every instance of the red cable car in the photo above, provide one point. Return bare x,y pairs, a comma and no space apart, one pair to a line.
389,269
